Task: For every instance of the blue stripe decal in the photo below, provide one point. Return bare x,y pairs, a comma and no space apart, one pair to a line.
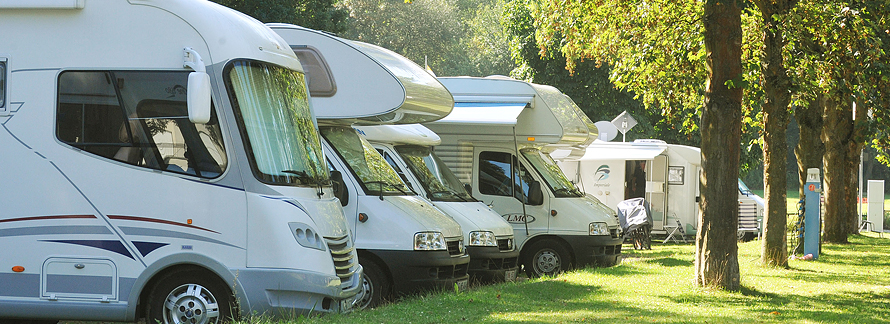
50,230
74,284
214,184
147,247
103,217
13,135
19,285
289,201
141,231
113,246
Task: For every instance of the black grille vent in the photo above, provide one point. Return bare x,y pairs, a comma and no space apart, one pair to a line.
455,247
505,244
343,254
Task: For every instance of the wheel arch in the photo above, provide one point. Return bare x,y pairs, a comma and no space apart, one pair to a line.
524,252
183,262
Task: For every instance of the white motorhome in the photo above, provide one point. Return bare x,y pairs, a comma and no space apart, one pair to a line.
497,139
405,244
666,175
145,174
488,238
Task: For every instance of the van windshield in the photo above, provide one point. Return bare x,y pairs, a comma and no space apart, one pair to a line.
438,181
373,172
551,173
272,108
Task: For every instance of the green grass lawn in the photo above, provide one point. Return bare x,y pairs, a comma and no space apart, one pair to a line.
848,284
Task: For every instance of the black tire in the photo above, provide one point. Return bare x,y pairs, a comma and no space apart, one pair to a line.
546,258
376,287
199,297
746,236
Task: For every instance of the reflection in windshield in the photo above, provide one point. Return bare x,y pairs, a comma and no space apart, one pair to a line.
374,174
273,113
551,173
438,181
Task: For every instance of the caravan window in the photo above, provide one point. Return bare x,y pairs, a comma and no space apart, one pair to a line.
3,85
140,118
496,175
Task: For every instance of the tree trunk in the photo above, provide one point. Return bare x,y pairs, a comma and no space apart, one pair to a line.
716,249
854,151
776,85
837,130
809,150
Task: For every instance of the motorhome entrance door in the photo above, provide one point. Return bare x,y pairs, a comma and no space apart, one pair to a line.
656,190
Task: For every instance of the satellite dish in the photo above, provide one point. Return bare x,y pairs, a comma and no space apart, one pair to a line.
607,130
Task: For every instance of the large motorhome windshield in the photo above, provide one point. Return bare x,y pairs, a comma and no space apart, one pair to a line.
551,173
373,172
272,106
438,181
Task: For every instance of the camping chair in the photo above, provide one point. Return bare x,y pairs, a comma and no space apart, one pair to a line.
675,233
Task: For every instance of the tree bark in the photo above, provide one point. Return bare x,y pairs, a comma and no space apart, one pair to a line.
776,85
854,151
810,149
836,132
716,249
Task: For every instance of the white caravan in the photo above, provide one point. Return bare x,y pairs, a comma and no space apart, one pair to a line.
495,120
140,181
405,244
488,238
666,175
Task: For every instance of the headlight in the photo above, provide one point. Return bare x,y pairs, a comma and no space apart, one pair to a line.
307,237
599,229
429,241
483,239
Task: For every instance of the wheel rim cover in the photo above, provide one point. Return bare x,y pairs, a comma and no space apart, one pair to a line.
546,262
191,304
366,294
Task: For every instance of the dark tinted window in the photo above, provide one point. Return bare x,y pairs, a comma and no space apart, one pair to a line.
140,118
496,175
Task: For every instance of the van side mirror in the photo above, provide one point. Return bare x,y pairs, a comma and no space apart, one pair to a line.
198,97
535,195
340,190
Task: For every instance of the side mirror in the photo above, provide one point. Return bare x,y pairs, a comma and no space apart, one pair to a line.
199,97
535,195
468,188
340,190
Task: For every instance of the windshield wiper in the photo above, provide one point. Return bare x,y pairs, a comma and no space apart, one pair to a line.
381,183
447,192
573,191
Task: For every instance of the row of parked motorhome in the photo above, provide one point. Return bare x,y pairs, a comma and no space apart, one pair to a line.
181,162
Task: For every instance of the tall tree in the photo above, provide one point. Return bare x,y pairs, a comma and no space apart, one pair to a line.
840,54
315,14
656,47
777,89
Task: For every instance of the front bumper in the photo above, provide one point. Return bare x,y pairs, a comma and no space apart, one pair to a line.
598,250
282,292
489,263
416,271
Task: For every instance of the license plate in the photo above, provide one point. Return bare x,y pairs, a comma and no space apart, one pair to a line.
510,275
463,285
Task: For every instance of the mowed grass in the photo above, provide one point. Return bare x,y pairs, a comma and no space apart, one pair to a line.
848,284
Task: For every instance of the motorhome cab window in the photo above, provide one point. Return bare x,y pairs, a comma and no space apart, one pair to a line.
547,168
436,178
374,174
496,175
139,118
272,108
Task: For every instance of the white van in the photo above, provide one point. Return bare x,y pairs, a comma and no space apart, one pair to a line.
140,181
405,244
488,238
666,175
497,139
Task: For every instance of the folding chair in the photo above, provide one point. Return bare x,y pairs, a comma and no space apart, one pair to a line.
675,233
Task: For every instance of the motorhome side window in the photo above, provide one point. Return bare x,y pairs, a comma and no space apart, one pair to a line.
495,175
139,118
